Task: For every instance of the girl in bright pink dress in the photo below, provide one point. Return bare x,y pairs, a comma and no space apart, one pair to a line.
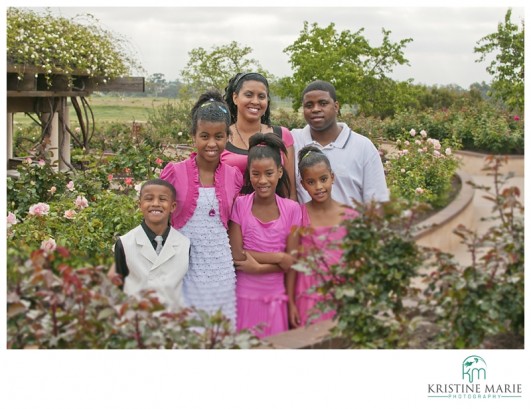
263,233
320,237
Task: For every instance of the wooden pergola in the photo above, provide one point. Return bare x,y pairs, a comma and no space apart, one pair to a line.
30,90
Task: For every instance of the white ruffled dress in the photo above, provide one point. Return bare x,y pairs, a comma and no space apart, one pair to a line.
210,283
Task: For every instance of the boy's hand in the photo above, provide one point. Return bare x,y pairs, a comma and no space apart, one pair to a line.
116,279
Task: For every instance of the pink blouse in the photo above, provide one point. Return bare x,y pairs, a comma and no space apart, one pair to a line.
267,237
184,176
237,157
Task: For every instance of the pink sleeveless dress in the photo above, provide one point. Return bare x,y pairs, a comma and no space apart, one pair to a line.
261,298
327,239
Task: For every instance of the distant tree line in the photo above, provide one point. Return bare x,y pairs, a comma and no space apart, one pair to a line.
359,71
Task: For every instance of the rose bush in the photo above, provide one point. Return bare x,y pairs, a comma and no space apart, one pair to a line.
53,305
421,169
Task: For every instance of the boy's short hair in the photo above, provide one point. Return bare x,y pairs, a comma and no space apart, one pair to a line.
159,182
320,85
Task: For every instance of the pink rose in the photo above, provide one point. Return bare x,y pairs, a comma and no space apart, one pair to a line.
109,177
412,132
52,190
81,202
128,181
436,154
48,245
70,185
70,214
39,209
41,163
516,118
423,133
11,219
448,151
28,161
419,191
158,161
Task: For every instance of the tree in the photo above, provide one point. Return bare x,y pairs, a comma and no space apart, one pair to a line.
346,59
507,68
212,70
155,84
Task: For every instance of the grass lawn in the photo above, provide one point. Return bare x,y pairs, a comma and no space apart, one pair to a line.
112,109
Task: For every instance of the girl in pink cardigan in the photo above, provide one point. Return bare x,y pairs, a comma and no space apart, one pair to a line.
206,190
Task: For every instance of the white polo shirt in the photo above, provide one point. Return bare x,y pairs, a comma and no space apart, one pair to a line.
356,163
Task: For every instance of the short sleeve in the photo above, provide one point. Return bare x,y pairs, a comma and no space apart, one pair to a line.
297,214
235,215
287,137
168,173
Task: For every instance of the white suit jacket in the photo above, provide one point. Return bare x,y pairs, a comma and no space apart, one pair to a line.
163,273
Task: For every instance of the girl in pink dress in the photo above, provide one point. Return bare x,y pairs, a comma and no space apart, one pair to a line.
248,98
320,237
263,232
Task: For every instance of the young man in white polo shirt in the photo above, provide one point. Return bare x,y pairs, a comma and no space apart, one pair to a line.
356,163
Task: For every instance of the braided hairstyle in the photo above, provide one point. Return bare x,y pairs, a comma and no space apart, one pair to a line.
311,155
235,85
210,107
267,146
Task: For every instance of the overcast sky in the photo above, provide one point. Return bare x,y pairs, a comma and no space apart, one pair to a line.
442,50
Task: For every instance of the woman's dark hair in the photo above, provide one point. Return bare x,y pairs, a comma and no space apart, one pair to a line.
235,85
311,155
267,146
210,107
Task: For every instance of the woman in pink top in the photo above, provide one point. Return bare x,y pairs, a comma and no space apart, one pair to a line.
263,232
206,189
320,237
247,96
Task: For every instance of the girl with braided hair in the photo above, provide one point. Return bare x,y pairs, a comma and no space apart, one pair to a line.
320,237
206,189
263,233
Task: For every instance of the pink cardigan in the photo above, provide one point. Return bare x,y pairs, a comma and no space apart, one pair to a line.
184,176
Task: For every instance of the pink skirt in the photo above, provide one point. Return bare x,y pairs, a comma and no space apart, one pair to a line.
261,303
306,302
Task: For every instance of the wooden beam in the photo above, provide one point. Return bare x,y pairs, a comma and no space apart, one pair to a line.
31,104
124,84
33,80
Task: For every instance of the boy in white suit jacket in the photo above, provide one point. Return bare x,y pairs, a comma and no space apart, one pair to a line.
154,255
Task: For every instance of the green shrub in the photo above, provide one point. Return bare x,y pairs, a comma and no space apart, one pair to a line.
170,122
421,169
53,305
287,118
88,228
370,284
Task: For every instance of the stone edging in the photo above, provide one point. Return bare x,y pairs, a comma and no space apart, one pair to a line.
450,212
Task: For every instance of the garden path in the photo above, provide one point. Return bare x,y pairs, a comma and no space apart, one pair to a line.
473,165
